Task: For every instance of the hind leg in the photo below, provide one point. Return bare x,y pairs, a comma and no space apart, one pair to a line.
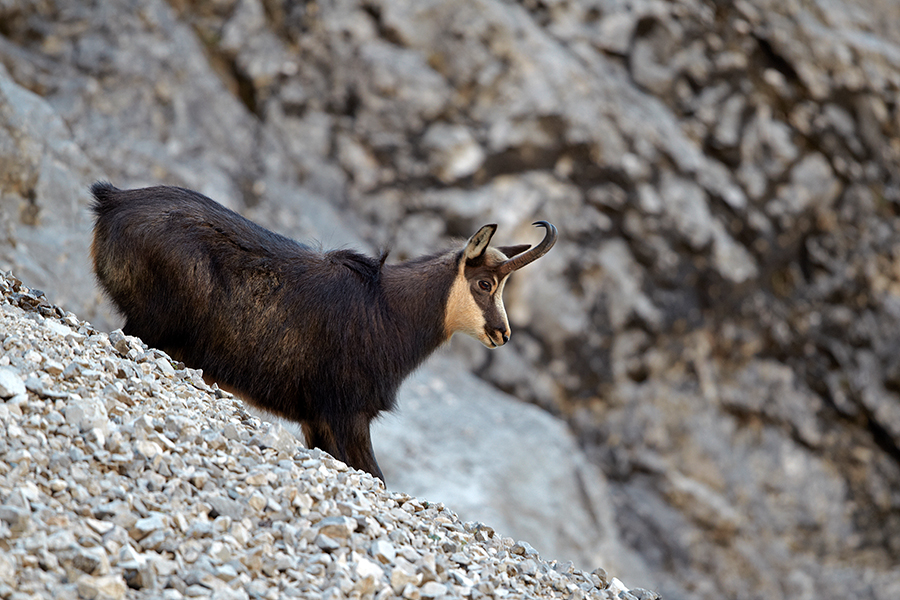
319,435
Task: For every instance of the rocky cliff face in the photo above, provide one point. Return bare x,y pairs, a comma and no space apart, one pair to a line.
718,322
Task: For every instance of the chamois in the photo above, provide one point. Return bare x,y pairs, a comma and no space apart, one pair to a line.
320,338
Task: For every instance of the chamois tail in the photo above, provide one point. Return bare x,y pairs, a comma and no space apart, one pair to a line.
106,198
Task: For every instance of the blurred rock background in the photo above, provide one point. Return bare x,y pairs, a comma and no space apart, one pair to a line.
719,324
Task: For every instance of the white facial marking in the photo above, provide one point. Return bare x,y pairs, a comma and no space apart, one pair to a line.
463,314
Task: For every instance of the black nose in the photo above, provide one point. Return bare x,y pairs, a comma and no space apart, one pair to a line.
505,338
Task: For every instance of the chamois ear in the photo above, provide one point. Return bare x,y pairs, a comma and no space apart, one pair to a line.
478,243
510,251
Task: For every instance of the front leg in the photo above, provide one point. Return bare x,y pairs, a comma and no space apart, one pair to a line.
359,447
349,442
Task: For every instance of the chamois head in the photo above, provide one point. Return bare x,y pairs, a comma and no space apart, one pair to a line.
475,304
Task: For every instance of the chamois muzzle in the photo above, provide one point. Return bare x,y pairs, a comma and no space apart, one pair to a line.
517,262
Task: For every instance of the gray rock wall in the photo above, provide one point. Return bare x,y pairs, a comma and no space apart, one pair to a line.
718,321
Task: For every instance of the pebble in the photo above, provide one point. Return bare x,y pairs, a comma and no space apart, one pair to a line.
107,587
10,383
384,551
433,589
337,527
86,414
524,549
326,543
134,479
144,527
367,568
53,367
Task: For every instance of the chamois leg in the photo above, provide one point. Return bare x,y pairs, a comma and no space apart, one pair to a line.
359,447
319,435
347,442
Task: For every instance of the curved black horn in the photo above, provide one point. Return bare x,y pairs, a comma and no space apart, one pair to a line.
517,262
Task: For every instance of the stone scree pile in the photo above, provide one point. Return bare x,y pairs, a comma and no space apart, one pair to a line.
125,475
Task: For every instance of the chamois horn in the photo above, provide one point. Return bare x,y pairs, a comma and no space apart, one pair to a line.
517,262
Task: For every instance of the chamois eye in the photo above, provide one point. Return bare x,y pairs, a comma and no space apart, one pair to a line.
485,285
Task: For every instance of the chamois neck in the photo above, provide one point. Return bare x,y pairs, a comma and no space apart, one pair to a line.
416,294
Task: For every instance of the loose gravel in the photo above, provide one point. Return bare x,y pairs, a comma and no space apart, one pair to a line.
123,475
